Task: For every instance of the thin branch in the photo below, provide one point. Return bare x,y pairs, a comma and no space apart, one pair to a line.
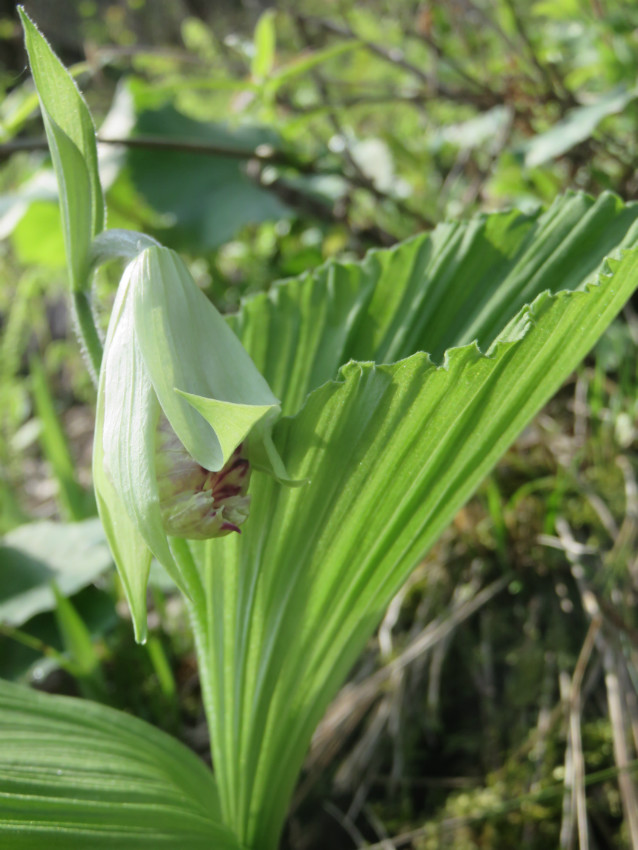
314,207
578,801
265,154
396,57
621,744
613,683
452,63
547,73
345,823
567,825
357,175
262,153
34,643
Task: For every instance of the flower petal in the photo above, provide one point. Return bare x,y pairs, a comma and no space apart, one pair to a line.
124,454
186,345
132,555
230,422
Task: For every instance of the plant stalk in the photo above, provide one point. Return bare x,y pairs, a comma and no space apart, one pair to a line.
88,334
197,606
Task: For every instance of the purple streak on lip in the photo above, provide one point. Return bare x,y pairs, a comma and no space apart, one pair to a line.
226,492
239,467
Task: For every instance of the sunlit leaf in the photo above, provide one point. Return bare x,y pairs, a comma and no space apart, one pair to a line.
390,452
579,124
77,775
187,346
462,282
308,61
71,136
37,236
264,44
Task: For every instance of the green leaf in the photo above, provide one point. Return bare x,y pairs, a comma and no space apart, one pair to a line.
16,109
579,124
130,552
76,775
390,451
34,555
21,102
473,133
80,650
38,238
264,45
168,352
207,198
118,244
71,136
308,61
13,205
462,282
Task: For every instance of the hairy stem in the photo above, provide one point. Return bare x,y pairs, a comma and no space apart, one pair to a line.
87,333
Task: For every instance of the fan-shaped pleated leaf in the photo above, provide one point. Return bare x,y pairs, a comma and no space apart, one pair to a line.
390,451
463,282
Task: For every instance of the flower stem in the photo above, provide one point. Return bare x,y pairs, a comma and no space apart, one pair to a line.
87,333
184,557
196,604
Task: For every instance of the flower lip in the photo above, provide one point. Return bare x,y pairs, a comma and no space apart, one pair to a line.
194,502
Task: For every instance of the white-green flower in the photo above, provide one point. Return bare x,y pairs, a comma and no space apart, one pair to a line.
195,502
174,380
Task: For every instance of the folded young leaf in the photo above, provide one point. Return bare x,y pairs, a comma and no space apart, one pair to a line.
71,136
74,775
390,451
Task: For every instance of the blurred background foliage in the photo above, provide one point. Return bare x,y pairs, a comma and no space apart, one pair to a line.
500,694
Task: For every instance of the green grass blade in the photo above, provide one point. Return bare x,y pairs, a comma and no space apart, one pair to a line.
75,502
78,645
308,62
264,45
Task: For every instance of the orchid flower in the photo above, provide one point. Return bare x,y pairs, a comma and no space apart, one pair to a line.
181,410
